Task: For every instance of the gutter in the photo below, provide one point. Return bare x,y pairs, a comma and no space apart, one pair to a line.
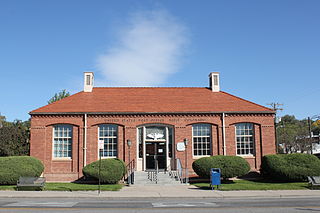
85,141
224,134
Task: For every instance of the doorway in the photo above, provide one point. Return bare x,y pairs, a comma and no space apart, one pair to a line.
155,147
156,155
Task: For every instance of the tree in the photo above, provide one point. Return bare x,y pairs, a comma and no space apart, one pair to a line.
293,134
14,138
2,120
58,96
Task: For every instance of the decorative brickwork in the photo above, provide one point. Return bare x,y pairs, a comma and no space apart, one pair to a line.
70,169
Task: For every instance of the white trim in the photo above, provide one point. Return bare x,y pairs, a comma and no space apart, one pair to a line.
224,134
253,140
144,148
139,161
110,137
210,137
85,141
61,159
52,143
144,141
167,148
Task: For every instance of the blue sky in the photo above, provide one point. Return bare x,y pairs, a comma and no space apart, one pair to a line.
265,51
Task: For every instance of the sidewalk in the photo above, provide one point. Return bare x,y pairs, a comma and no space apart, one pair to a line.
178,191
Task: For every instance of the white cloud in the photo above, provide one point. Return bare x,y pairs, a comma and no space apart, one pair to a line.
149,50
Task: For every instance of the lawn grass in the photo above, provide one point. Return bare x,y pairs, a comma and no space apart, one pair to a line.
7,187
71,187
80,187
254,185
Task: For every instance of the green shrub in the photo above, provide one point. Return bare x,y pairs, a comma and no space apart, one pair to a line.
231,166
112,170
12,168
290,167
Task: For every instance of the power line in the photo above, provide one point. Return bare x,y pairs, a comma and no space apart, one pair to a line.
276,106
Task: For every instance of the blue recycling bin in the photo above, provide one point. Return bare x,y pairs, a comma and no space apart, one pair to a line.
215,177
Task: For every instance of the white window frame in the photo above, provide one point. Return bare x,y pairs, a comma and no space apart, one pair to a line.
210,140
68,137
247,140
108,137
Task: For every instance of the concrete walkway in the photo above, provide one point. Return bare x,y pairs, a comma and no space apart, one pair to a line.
154,191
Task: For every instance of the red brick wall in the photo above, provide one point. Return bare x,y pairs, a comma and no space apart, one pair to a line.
68,170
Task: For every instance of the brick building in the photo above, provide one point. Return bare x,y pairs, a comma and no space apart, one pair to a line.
65,134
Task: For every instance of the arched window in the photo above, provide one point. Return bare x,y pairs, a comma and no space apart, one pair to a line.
245,139
62,141
201,138
109,134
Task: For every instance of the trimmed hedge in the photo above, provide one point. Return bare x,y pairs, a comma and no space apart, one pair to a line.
12,168
112,170
290,167
231,166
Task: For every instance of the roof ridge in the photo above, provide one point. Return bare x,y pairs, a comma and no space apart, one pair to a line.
246,100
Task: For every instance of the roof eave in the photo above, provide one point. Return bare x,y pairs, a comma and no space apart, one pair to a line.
153,113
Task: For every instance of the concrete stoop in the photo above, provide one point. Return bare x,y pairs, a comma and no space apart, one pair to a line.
141,178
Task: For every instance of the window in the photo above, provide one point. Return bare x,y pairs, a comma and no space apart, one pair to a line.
215,80
201,139
88,79
244,139
62,141
108,133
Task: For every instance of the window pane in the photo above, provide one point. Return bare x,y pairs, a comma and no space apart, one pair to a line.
244,139
109,134
62,141
155,133
201,139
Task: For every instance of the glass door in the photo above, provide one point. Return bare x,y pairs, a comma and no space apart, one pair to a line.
156,153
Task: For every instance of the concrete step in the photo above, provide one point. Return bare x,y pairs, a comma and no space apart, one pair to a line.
141,178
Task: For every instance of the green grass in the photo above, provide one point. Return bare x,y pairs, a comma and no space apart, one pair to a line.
255,185
80,187
7,187
71,187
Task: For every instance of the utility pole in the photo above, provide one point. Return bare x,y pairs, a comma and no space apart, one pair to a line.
276,107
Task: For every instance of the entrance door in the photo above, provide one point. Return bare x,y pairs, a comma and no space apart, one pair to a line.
156,153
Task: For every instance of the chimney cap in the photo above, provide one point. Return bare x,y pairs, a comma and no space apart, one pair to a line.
212,73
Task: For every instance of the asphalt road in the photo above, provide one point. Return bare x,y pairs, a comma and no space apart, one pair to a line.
93,205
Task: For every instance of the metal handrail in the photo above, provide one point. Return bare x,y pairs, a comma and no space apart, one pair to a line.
130,169
153,174
179,170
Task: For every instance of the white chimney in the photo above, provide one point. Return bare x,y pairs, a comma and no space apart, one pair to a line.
214,82
88,82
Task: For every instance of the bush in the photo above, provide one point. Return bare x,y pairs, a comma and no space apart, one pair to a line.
112,170
12,168
290,167
231,166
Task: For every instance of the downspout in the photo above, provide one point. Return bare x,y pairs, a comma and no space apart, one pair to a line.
85,141
224,134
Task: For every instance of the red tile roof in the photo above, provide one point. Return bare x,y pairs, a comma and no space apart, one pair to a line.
151,100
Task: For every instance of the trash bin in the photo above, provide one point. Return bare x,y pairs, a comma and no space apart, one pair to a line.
215,177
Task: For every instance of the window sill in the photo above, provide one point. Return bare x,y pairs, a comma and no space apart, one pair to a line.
247,156
107,157
61,159
197,157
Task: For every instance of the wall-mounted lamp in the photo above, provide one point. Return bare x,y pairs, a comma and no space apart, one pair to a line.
129,143
185,142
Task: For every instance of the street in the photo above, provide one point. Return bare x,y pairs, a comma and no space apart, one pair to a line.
159,205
